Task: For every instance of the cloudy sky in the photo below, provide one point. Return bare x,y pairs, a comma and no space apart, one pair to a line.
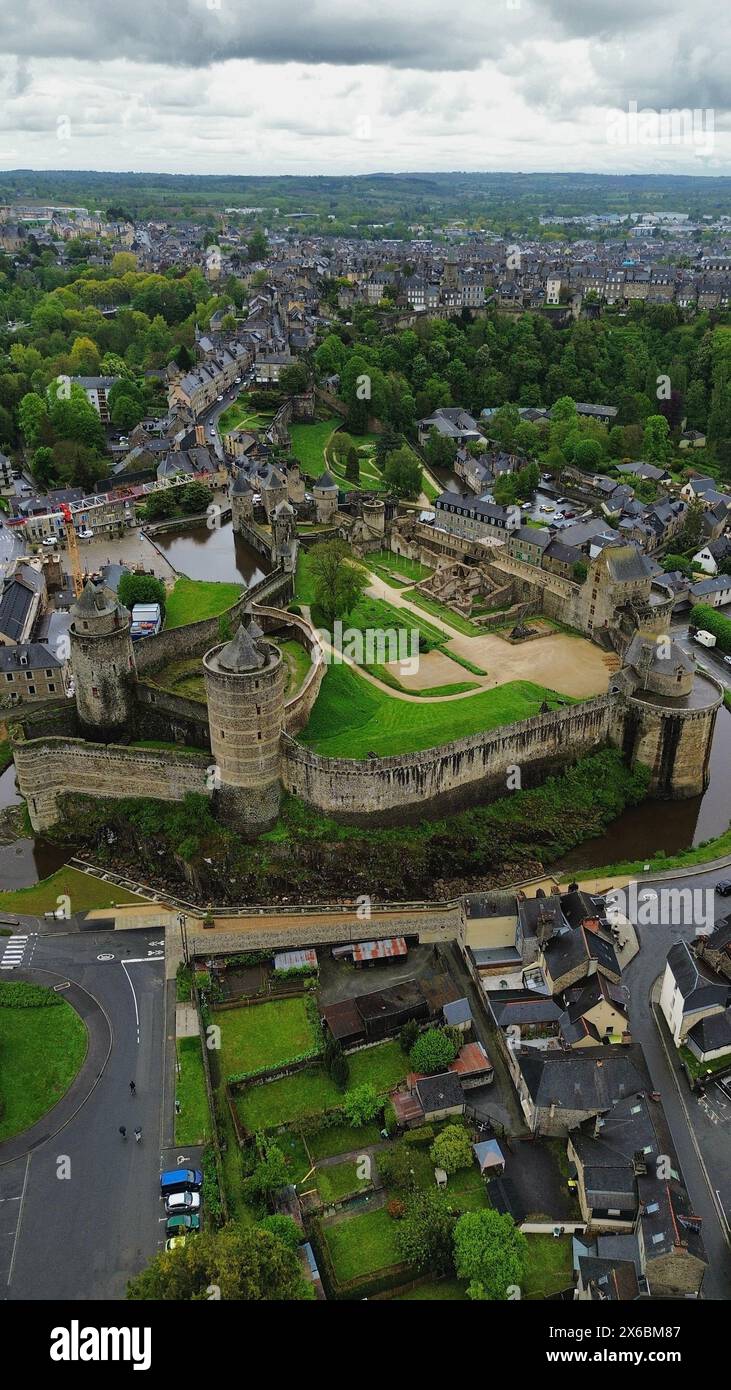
351,86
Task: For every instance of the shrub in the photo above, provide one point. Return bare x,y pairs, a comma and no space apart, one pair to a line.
452,1149
362,1104
432,1052
340,1072
408,1035
284,1228
423,1135
24,996
396,1208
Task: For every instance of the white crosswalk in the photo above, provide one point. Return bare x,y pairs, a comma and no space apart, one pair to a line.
14,953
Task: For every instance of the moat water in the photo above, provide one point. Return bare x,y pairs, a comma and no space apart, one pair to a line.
216,554
668,825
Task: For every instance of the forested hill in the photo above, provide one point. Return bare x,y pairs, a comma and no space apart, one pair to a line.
515,197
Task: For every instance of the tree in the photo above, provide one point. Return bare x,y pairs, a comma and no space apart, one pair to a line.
160,504
77,465
245,1262
432,1052
294,379
271,1172
32,415
691,532
123,262
440,450
408,1035
587,454
141,588
425,1233
402,473
489,1253
257,247
352,466
337,583
579,571
656,445
194,497
362,1103
284,1228
452,1149
340,1071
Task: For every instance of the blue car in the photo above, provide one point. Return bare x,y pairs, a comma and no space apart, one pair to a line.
180,1180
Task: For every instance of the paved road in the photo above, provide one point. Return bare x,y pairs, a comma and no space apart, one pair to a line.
702,1144
710,661
82,1237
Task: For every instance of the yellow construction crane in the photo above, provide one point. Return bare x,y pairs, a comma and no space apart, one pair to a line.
73,549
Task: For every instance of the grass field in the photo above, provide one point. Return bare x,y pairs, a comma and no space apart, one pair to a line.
310,1091
342,1139
42,1050
193,599
338,1180
362,1245
242,416
183,677
548,1267
308,444
83,892
193,1124
370,478
440,610
352,718
395,569
436,1290
298,663
263,1035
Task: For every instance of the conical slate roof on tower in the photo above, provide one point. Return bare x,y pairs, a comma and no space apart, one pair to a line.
242,653
255,632
326,480
95,599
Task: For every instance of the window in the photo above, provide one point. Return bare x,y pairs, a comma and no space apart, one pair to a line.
51,686
49,674
95,690
31,690
9,676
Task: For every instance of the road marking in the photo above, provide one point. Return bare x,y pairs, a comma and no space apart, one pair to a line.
20,1218
105,956
134,996
14,952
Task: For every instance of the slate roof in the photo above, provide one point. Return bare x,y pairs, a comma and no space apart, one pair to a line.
439,1092
697,991
712,1034
583,1081
36,657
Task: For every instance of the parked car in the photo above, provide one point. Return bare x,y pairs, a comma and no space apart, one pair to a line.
50,541
175,1242
182,1202
184,1222
547,507
569,515
727,660
723,887
85,533
180,1180
219,398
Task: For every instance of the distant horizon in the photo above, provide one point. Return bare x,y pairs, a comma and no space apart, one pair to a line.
371,173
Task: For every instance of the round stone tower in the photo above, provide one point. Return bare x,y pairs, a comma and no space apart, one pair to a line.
103,663
374,514
245,684
325,492
241,495
284,537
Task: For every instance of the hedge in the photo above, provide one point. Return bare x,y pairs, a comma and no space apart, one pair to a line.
19,995
709,620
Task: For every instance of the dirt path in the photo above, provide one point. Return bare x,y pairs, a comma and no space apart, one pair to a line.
569,665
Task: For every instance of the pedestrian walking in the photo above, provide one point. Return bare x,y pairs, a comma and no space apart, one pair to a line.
138,1135
133,1088
123,1131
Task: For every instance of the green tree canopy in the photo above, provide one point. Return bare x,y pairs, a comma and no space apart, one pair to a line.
489,1253
246,1263
433,1051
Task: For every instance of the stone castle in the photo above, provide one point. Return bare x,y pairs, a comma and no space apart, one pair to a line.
237,743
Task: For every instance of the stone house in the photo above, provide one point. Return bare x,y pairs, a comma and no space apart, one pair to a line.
689,993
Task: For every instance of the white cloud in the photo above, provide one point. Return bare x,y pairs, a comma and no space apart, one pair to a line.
310,86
